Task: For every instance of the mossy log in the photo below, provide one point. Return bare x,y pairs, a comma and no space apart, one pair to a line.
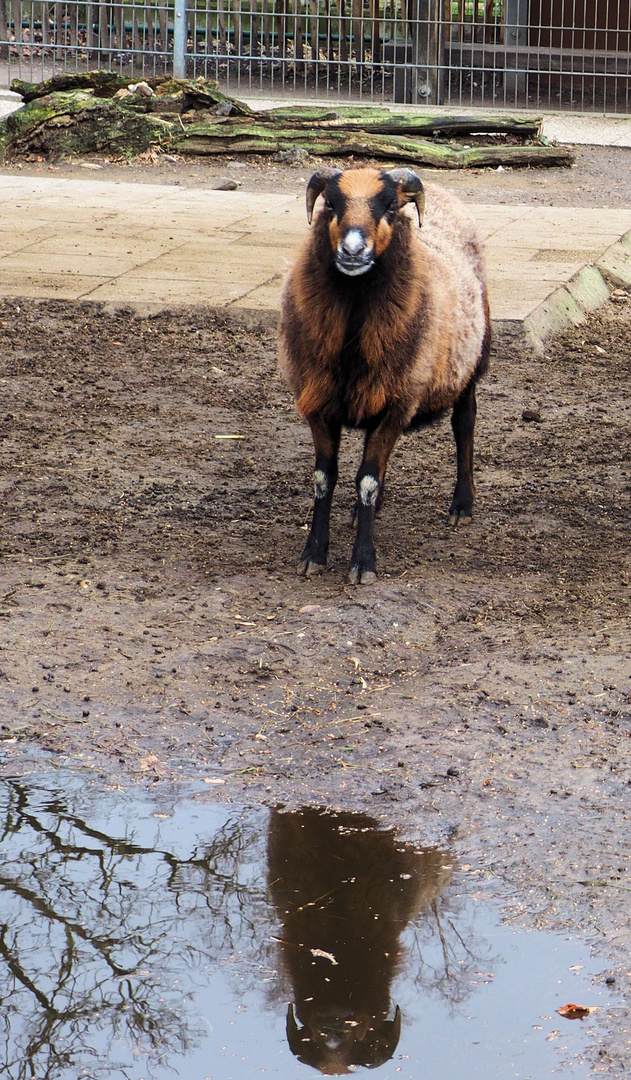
383,121
77,122
97,111
259,139
198,93
106,83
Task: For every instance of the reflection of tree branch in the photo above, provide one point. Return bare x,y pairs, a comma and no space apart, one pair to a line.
100,945
462,941
442,939
83,912
16,969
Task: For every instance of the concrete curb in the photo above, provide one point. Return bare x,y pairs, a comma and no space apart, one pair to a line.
586,291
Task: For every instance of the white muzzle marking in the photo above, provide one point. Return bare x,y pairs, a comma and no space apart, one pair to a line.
353,243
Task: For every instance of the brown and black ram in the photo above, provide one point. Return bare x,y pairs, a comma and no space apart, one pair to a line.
384,326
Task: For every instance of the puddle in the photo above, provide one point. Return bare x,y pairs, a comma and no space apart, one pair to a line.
142,939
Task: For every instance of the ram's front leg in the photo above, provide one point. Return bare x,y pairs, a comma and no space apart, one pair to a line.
326,441
369,483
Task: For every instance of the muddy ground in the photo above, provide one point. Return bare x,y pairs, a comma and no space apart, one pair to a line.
153,628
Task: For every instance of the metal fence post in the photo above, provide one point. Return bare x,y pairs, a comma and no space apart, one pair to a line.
517,19
180,35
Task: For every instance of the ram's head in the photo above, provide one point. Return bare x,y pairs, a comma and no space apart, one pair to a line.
362,205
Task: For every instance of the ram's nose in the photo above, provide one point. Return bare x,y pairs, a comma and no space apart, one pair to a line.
354,243
354,254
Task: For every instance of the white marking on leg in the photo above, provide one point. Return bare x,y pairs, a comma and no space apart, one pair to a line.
368,490
320,484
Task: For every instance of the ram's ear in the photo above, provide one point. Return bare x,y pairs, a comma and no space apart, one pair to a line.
316,186
410,189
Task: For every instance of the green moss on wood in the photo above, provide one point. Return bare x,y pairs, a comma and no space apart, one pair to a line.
83,113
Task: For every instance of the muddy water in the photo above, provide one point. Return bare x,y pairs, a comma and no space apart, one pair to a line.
150,936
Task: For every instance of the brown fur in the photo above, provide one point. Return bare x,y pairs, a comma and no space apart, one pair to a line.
360,183
383,330
420,375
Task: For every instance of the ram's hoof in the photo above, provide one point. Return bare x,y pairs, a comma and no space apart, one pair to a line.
457,518
358,576
309,569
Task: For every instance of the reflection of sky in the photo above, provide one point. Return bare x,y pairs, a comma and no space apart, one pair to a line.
140,947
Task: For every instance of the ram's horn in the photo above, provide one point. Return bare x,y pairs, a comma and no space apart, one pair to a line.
316,186
411,188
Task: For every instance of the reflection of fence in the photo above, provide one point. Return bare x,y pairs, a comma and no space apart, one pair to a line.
568,53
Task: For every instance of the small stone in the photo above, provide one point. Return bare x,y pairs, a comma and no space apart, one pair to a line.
531,416
453,771
141,88
225,184
291,156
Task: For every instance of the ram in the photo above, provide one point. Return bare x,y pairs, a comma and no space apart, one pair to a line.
384,326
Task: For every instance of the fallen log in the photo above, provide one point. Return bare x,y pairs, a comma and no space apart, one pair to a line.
229,139
97,111
199,93
383,121
68,123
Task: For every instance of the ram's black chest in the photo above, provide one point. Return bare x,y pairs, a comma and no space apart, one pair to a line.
352,362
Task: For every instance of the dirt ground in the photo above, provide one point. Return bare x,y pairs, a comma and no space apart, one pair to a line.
156,489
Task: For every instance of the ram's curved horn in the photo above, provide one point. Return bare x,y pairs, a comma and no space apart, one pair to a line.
316,186
411,188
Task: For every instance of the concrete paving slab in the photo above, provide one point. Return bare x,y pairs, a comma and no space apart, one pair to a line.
48,286
60,265
159,293
82,244
151,245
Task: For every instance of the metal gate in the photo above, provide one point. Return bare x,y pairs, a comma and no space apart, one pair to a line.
553,54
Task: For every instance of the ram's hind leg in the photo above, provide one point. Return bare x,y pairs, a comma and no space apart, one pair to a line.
463,425
326,441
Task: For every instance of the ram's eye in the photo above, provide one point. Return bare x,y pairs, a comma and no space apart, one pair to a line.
392,209
328,205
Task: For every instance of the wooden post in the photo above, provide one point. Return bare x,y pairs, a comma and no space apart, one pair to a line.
314,31
299,52
425,22
4,31
358,29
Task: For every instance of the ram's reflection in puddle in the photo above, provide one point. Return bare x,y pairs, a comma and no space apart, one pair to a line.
344,893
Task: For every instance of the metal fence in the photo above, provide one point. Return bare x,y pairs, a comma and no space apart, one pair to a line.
569,54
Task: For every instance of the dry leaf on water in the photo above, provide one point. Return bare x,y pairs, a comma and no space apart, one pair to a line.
574,1012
